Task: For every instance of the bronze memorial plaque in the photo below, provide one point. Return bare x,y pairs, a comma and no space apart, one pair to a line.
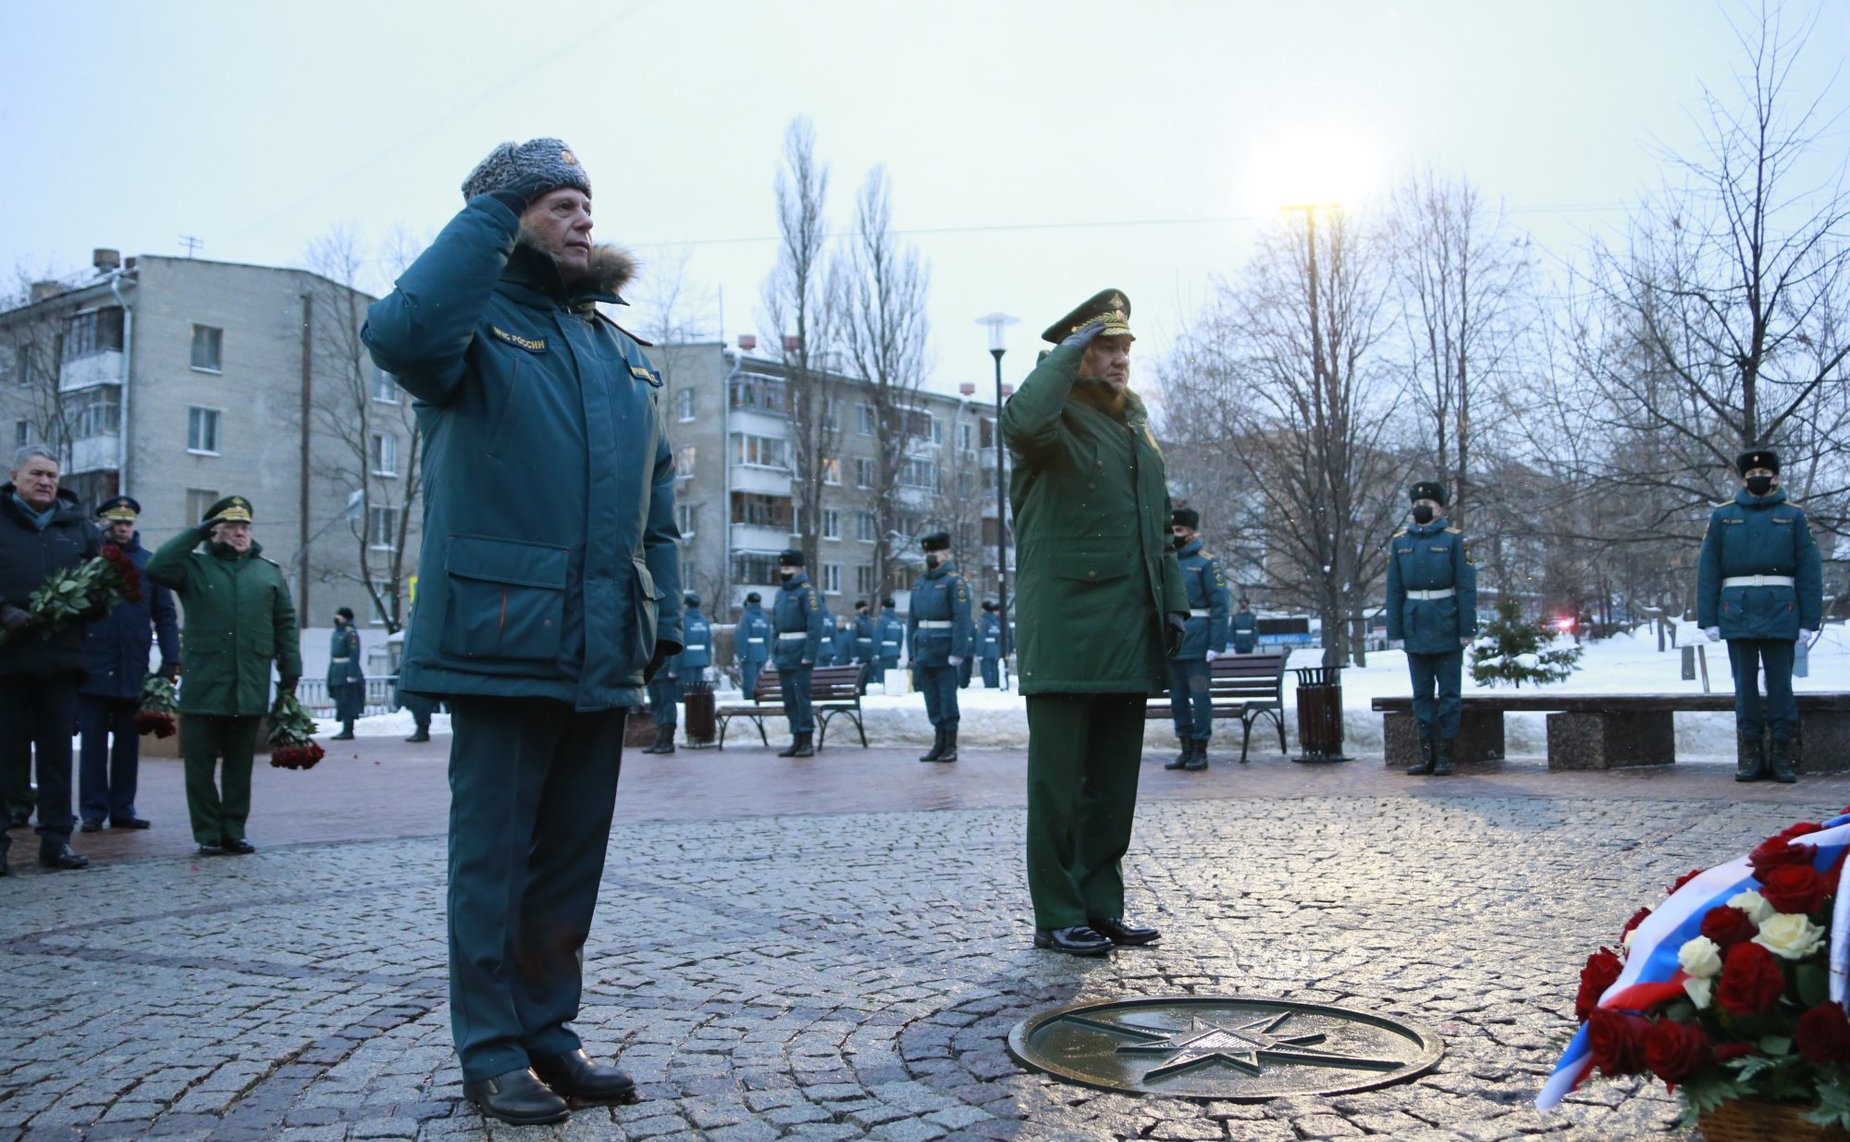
1223,1047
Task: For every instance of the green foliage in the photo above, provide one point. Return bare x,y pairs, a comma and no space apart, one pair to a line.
1515,651
1833,1102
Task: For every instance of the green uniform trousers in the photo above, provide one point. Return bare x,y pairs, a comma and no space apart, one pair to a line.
533,786
1084,751
205,741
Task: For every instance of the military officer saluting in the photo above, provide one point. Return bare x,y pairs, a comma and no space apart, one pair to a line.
801,625
1432,610
1191,702
1245,628
892,637
940,636
1758,584
989,644
752,643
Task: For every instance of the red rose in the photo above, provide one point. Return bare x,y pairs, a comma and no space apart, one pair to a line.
1618,1041
1602,968
1800,829
1637,919
1675,1051
1823,1035
1682,880
1725,1051
1751,980
1778,852
1728,926
1793,888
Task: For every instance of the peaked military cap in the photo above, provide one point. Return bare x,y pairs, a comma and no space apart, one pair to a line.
936,541
1428,490
790,557
344,612
754,597
989,604
1185,517
860,604
690,599
1757,458
231,509
888,602
1109,306
120,509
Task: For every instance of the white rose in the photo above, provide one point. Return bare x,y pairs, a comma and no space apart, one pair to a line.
1701,957
1754,905
1790,936
1698,991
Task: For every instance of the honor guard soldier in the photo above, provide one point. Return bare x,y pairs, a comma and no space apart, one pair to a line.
892,637
1758,585
940,636
752,643
866,643
118,645
239,618
801,623
1245,628
346,682
1432,611
697,654
989,645
1191,700
1101,606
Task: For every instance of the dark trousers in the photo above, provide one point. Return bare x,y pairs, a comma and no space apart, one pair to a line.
37,712
420,708
218,752
748,678
939,685
109,759
1084,751
349,700
16,795
533,785
964,670
795,688
1440,671
662,695
1191,703
1755,717
992,673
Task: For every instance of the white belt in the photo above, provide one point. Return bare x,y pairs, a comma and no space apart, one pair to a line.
1441,593
1734,581
890,642
340,660
790,635
754,640
1200,614
695,646
935,624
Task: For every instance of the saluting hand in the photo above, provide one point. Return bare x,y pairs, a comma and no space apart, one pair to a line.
1084,335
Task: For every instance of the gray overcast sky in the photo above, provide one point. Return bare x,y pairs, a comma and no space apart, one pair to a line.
1037,151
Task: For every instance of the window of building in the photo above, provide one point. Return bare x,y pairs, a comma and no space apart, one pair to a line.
831,578
22,433
382,528
684,462
198,502
202,431
208,343
94,412
22,365
831,523
919,474
385,386
986,433
380,597
758,451
756,567
758,393
865,527
94,331
864,472
864,420
966,437
916,423
966,483
684,517
385,454
865,581
831,471
757,510
684,404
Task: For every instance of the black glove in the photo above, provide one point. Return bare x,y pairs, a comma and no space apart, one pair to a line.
171,672
1178,630
521,194
287,684
663,652
15,620
1082,337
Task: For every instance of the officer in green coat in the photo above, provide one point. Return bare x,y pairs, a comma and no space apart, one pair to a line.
238,620
1758,584
1101,606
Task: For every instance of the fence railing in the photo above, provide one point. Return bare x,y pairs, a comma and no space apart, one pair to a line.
381,695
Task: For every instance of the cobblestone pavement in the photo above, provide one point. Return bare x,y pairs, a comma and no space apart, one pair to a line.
838,950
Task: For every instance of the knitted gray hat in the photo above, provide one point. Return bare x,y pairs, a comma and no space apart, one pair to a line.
509,163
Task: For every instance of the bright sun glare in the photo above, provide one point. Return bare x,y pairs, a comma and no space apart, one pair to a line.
1310,164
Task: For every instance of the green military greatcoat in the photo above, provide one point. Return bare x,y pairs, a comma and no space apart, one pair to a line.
238,620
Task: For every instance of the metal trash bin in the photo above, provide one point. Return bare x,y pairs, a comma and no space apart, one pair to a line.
700,725
1320,714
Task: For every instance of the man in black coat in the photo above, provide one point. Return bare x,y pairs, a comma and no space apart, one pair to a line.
42,530
117,645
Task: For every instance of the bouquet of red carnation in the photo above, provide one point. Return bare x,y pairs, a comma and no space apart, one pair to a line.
82,592
157,707
292,735
1732,990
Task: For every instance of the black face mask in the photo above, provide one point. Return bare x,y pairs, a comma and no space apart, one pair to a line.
1760,485
1422,513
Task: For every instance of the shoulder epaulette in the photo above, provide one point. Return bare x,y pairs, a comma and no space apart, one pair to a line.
271,562
1721,503
1398,534
1207,554
1454,531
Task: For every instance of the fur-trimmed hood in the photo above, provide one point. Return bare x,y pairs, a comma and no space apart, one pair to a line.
612,268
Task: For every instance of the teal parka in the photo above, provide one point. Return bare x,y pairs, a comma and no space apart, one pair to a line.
238,618
549,565
940,595
1208,602
1096,570
1752,536
1427,557
798,609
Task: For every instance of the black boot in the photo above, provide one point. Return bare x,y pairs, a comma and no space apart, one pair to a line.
1182,759
937,745
1442,757
346,731
1197,756
804,746
422,735
1779,759
1425,763
796,742
1751,765
949,752
663,738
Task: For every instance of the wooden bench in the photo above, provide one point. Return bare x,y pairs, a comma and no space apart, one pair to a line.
1243,686
1609,731
832,690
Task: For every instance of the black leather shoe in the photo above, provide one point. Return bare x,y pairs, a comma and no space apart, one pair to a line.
90,826
210,851
420,736
574,1075
61,856
1127,935
517,1097
1078,940
239,846
131,823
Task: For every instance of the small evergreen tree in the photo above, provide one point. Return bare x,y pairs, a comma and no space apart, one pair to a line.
1515,651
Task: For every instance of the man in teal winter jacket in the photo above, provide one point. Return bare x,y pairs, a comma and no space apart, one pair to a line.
549,589
1758,583
1432,610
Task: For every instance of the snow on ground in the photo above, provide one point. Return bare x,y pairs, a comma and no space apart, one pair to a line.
1625,664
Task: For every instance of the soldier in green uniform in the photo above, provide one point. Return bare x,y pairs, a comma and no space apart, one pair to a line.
1432,611
238,619
941,637
346,682
1758,584
1101,605
800,626
1191,701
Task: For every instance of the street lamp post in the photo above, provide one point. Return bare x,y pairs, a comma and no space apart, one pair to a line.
998,324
